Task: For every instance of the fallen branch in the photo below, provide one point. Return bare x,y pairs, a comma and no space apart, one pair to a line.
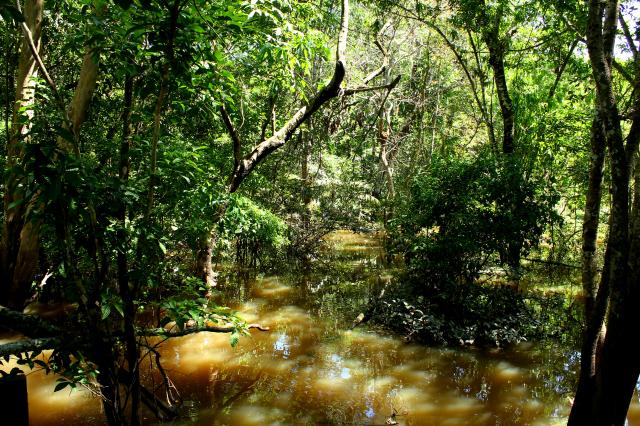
549,262
390,86
210,329
29,345
27,324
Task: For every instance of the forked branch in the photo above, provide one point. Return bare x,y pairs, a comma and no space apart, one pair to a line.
333,89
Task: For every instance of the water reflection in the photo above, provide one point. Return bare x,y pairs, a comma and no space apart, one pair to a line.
310,369
314,371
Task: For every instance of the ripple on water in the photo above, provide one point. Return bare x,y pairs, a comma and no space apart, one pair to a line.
254,415
308,371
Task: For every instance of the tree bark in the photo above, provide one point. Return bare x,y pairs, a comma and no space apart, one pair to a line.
591,218
608,375
307,144
496,48
20,243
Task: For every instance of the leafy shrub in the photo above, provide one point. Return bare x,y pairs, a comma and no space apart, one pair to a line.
464,212
460,215
476,314
251,230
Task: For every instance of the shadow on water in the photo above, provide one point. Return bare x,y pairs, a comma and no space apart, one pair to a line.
311,369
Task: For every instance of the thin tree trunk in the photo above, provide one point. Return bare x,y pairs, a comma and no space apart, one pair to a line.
383,140
305,175
158,111
496,60
592,215
207,246
127,295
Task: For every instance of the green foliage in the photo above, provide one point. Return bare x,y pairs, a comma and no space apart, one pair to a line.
477,314
252,229
464,212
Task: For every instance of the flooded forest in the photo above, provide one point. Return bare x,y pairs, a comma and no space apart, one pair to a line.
320,212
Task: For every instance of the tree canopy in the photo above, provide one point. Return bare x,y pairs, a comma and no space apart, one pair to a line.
146,142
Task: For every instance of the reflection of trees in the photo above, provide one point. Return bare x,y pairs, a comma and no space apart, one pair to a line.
555,372
550,376
226,390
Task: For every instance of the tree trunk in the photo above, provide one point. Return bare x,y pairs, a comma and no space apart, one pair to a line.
305,176
387,171
496,60
592,215
608,375
20,243
128,295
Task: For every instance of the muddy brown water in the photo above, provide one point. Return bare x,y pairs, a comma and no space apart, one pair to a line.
311,369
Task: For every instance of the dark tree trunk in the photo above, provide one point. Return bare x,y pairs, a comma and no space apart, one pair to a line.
497,46
496,59
609,373
128,295
592,215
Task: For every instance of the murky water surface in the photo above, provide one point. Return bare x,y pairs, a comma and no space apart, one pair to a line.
311,369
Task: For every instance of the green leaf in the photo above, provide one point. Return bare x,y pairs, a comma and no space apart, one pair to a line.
15,204
61,385
234,339
118,307
106,311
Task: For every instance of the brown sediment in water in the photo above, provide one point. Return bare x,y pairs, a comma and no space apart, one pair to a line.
310,369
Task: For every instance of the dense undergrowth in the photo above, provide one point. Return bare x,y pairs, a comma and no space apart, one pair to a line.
465,217
476,314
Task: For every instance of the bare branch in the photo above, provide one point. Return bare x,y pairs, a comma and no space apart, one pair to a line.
184,332
622,71
563,66
235,137
374,74
27,324
359,89
328,92
34,51
628,37
379,42
385,57
29,345
280,137
161,410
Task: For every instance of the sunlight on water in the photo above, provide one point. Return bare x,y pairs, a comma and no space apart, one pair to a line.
57,408
309,369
